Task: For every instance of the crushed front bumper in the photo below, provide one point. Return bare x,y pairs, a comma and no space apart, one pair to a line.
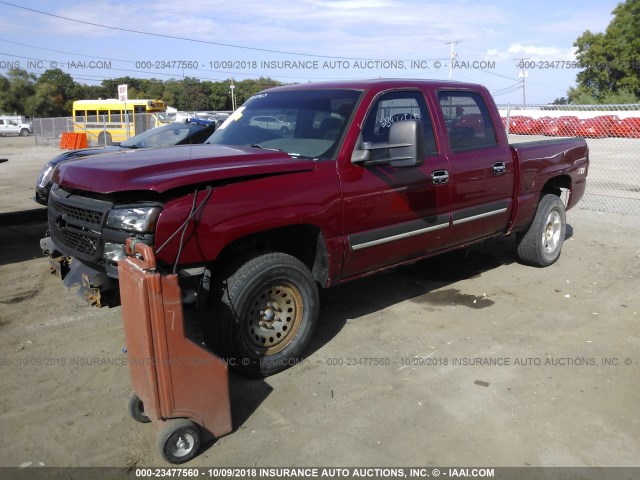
92,285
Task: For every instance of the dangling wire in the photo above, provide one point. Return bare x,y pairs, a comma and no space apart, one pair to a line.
183,227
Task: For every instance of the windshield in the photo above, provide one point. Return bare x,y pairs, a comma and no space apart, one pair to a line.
305,123
166,135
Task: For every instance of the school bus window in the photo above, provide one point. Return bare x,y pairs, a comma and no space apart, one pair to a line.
92,115
102,115
115,116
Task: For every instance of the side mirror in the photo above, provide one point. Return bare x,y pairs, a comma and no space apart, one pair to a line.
404,149
406,140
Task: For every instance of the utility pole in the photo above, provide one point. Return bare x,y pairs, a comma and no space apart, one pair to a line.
523,74
452,55
233,96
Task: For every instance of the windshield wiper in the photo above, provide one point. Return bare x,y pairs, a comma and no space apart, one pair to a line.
257,145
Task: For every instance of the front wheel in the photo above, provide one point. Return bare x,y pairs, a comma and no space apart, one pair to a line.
263,312
541,244
24,132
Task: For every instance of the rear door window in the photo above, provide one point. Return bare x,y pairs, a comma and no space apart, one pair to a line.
468,121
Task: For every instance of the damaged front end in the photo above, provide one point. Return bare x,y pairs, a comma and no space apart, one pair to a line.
93,286
86,239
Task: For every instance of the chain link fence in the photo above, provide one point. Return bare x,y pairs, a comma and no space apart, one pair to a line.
613,135
48,131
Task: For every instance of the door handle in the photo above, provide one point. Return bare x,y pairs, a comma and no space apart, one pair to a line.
438,177
499,168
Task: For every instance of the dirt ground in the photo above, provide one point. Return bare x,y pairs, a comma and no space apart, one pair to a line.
562,388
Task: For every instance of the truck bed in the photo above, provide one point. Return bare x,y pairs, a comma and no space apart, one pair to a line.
566,160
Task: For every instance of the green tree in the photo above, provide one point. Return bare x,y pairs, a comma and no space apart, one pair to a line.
152,88
134,89
54,94
193,95
17,87
220,96
611,60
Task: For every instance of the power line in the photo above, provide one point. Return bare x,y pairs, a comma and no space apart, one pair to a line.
75,54
174,37
510,89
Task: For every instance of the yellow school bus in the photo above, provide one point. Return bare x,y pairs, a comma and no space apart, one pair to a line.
108,121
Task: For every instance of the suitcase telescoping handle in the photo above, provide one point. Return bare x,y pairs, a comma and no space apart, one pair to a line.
140,254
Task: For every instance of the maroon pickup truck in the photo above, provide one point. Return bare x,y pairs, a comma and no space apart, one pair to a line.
367,176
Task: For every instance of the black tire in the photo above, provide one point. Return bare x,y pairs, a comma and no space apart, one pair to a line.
179,440
24,132
284,130
135,408
541,244
105,139
263,310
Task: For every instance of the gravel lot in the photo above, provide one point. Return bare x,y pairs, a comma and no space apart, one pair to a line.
562,390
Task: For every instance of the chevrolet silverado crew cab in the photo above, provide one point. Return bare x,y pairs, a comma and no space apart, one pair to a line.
369,175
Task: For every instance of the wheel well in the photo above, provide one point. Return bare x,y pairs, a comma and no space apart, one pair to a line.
557,186
304,242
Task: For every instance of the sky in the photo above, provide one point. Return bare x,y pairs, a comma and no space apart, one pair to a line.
307,40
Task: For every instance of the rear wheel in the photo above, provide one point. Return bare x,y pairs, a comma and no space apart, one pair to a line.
541,244
263,310
105,139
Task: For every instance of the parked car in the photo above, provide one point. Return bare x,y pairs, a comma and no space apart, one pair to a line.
522,125
271,123
11,127
593,128
627,128
179,133
539,123
608,120
565,126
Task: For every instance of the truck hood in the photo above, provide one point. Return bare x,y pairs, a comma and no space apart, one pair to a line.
83,152
163,169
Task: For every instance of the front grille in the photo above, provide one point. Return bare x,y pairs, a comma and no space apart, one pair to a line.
79,243
76,224
82,214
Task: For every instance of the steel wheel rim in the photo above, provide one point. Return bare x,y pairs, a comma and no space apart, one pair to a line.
275,317
551,233
182,445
